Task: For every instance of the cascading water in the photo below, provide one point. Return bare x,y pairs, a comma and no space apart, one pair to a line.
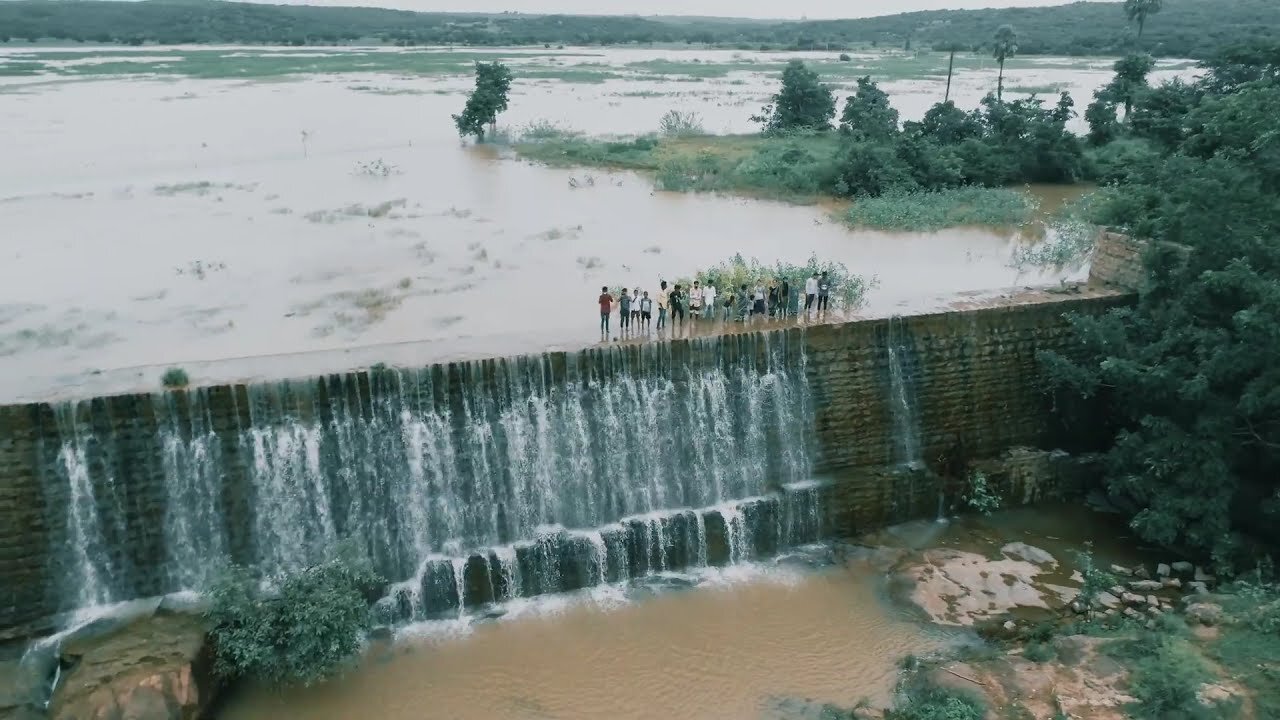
467,483
902,397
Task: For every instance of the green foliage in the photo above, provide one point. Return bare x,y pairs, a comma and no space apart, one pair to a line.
175,377
1248,649
920,699
1184,377
1039,652
1166,672
868,115
303,632
980,496
996,207
1096,581
1140,10
848,291
676,123
803,103
1187,28
1003,46
486,102
1114,161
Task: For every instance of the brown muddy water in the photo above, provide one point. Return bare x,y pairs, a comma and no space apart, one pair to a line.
771,642
774,646
153,222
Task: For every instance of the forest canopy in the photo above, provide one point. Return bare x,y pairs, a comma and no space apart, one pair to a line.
1184,28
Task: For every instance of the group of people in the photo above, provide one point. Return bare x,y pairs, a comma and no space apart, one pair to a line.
638,310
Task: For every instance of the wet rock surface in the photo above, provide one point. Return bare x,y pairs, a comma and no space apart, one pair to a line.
154,668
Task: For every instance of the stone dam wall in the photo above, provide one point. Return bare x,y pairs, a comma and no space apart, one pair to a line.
869,404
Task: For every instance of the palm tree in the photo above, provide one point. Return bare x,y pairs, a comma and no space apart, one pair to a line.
1004,47
1141,9
951,47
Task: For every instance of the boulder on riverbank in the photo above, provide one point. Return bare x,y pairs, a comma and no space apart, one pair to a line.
954,587
158,667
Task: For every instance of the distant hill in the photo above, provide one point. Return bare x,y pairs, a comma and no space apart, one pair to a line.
1185,28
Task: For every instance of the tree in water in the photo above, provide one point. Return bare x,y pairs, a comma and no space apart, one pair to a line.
867,113
804,103
493,82
1140,10
952,48
1004,47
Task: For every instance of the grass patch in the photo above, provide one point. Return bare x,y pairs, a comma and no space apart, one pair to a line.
1249,650
175,377
1166,671
999,207
920,699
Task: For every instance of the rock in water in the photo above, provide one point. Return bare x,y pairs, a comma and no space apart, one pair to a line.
1145,585
1163,570
1182,568
157,668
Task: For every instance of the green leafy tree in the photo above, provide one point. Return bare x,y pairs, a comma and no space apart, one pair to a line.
1160,114
1003,47
487,101
803,103
1130,79
303,633
867,113
1140,10
1103,119
1186,375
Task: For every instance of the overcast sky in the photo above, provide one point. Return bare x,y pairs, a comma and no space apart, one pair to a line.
789,9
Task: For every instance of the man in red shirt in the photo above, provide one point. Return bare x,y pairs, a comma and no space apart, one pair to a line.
606,306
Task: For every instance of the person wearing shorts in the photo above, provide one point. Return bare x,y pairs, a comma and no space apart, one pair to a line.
646,311
695,301
635,307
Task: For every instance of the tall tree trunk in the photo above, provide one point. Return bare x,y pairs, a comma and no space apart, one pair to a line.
950,68
1000,83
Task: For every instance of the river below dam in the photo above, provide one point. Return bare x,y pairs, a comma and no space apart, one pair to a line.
775,641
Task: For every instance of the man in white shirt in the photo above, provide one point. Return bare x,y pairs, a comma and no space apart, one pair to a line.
810,292
709,300
758,307
695,301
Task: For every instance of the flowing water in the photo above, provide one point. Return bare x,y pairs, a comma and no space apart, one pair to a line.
153,220
468,484
772,643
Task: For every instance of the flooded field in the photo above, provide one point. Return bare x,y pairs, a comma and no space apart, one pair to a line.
166,206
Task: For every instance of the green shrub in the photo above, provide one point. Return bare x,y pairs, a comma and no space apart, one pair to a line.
1165,672
945,208
302,633
1039,652
848,290
924,700
980,497
676,123
1114,161
175,377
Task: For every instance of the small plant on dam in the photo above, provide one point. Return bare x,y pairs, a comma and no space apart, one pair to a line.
175,377
302,631
980,497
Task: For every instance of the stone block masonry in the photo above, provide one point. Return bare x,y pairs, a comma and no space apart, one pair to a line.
888,399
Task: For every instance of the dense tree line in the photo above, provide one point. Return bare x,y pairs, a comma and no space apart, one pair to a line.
998,144
1186,28
1187,377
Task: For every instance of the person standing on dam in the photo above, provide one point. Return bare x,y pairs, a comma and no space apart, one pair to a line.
624,311
606,307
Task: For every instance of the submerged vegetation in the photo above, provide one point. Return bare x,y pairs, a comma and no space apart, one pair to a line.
175,377
848,290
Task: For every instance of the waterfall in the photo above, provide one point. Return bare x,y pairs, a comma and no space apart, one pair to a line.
466,483
902,396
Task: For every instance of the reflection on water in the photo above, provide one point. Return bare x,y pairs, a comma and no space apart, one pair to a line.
735,651
171,225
